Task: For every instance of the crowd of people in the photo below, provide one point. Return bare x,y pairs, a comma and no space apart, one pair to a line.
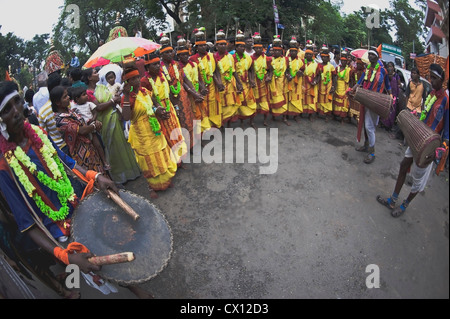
114,124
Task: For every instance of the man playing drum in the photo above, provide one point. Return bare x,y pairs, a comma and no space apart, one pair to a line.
34,182
437,118
375,78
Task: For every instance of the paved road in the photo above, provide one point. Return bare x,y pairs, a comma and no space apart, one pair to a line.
307,231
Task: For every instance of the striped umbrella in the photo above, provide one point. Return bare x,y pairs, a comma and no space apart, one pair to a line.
115,50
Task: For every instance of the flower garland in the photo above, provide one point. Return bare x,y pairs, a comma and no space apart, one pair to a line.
166,91
326,78
373,73
260,68
230,70
342,76
278,70
59,183
175,91
241,70
429,102
203,69
188,76
294,68
146,101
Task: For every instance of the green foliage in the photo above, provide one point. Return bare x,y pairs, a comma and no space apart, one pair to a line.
409,24
98,18
321,21
11,49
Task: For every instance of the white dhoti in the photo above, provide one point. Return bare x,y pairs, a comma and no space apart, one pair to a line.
419,175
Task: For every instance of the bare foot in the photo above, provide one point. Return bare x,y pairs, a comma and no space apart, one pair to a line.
286,122
153,194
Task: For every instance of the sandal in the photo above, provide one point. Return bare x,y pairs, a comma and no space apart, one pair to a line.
397,212
384,202
369,159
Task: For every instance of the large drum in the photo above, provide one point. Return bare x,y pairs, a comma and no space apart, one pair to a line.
422,140
103,227
378,103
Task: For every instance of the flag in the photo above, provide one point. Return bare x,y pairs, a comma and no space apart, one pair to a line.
275,12
280,26
7,78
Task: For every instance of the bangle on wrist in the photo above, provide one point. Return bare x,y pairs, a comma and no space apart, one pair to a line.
93,124
96,176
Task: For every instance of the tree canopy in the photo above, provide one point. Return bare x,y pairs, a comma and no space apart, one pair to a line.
320,21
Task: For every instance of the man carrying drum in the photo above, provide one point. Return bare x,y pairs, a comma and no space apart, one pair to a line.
33,181
375,78
437,118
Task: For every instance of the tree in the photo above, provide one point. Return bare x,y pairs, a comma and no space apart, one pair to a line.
11,49
409,25
97,19
355,31
249,16
328,26
36,50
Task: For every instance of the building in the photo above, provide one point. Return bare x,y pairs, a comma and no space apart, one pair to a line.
436,20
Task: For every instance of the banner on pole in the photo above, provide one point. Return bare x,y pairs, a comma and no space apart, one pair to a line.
275,12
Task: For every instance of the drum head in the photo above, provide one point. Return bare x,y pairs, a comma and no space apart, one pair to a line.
426,156
105,229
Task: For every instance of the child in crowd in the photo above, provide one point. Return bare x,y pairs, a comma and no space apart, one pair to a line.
113,86
87,111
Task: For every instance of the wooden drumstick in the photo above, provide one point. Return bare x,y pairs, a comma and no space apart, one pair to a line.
112,259
119,201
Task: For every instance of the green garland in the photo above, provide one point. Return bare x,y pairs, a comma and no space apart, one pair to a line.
328,78
205,78
202,67
343,76
230,70
146,101
429,102
278,73
60,183
373,73
176,91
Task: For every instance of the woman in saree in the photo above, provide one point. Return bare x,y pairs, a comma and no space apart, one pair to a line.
153,154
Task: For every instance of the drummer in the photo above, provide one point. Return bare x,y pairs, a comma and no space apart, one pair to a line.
437,118
375,78
41,203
